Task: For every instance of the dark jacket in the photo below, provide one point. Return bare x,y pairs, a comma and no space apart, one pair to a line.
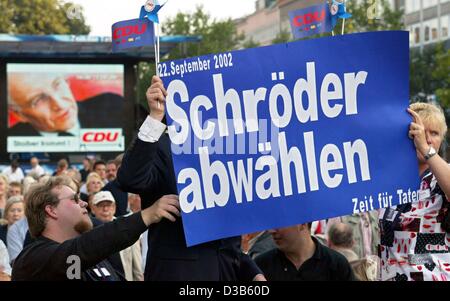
47,260
147,169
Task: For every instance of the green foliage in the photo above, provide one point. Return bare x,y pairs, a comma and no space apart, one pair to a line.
283,36
39,17
368,16
250,44
217,36
441,74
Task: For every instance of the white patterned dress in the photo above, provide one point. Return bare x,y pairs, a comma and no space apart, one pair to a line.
413,245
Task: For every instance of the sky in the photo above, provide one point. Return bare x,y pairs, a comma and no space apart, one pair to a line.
101,14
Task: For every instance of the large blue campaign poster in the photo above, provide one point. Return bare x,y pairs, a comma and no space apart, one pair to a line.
291,133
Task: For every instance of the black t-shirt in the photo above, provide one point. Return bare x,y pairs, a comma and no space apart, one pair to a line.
324,265
48,260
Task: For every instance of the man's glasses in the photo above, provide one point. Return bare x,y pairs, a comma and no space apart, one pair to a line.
74,198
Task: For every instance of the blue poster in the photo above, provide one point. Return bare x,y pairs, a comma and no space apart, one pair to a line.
311,20
291,133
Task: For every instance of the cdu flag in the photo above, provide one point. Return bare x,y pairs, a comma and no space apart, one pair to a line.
311,20
132,33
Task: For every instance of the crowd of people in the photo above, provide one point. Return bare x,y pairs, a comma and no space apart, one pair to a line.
121,219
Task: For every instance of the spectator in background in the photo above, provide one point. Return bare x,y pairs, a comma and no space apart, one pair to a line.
14,211
301,257
100,169
340,238
13,172
15,188
93,185
111,170
27,182
104,208
61,167
35,167
4,187
87,168
5,267
120,196
74,174
366,232
134,202
134,205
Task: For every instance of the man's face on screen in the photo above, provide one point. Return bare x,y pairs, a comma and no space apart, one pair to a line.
43,100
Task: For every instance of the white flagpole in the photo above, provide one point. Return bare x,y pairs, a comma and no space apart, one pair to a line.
156,45
343,21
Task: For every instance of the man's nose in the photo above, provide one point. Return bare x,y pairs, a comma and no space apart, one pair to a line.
83,204
58,102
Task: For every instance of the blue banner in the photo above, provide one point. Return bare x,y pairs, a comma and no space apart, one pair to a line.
132,33
286,134
311,20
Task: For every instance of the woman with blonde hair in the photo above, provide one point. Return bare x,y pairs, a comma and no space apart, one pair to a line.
94,184
14,210
414,240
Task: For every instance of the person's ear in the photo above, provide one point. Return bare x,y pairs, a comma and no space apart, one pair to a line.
51,212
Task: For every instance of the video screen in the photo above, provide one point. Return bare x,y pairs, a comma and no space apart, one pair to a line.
65,108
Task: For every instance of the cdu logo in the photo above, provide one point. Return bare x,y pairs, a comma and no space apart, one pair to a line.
132,33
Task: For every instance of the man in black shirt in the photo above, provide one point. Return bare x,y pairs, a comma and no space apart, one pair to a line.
67,248
300,257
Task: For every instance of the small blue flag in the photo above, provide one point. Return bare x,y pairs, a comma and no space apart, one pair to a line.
150,10
311,20
132,33
338,11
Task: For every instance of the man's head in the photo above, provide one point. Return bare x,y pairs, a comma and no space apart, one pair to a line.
62,166
100,169
54,207
104,206
340,235
87,163
287,238
111,170
34,162
44,100
15,188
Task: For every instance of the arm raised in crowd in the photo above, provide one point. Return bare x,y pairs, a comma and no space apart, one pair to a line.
143,165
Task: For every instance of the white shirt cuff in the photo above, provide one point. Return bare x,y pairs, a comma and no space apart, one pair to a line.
151,130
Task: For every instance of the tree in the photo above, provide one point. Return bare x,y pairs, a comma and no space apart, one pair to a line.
217,36
40,17
441,74
372,15
283,36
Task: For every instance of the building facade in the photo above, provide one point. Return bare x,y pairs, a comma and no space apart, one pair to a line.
428,21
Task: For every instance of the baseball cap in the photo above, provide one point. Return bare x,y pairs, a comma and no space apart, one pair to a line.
103,196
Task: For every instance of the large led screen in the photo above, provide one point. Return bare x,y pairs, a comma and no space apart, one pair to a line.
65,108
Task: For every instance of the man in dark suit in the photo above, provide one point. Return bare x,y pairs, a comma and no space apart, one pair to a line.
147,169
44,103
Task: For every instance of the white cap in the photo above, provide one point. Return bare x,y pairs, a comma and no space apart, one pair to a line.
102,196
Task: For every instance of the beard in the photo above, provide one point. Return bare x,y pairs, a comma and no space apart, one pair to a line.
83,226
